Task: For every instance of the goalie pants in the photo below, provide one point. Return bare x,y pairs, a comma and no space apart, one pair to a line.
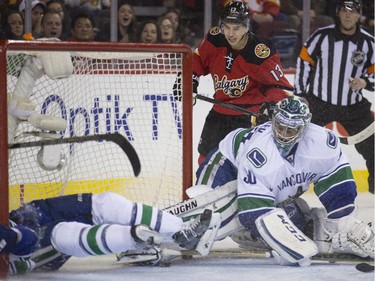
354,119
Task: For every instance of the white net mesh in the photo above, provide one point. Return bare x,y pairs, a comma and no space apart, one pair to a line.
107,92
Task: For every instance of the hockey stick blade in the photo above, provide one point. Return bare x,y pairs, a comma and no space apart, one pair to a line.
361,136
117,138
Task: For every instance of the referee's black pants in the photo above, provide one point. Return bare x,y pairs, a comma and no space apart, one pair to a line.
354,118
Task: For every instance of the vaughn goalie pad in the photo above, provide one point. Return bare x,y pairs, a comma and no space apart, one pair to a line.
284,237
222,200
213,199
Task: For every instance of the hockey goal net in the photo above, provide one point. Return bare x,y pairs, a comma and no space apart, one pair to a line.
124,88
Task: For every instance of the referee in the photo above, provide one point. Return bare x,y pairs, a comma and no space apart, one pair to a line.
333,67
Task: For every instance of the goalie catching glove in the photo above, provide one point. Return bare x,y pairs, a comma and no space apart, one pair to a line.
349,235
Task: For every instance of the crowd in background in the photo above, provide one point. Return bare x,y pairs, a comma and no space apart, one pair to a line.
181,21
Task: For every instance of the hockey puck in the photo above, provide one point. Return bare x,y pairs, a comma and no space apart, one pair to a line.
364,267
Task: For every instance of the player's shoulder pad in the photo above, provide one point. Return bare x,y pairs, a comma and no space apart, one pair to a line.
322,138
257,50
216,37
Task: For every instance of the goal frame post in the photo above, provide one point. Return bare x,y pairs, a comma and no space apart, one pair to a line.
51,46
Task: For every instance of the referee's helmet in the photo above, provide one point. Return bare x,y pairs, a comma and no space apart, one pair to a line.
350,5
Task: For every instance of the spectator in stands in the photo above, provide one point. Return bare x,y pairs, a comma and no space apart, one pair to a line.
82,28
3,8
367,19
294,11
52,25
37,11
127,25
149,32
168,34
58,6
175,16
13,25
170,4
93,6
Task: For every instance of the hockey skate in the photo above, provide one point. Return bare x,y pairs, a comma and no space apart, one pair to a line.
193,230
149,256
144,234
153,252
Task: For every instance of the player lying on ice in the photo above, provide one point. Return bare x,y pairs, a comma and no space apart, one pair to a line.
257,176
45,233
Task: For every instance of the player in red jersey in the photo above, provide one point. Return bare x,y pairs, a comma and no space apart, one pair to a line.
246,71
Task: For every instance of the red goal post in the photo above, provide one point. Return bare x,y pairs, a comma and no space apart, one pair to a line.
114,87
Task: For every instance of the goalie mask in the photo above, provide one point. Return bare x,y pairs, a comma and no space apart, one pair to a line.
349,5
290,120
236,12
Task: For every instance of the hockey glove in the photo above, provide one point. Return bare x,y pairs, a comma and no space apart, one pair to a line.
26,241
17,240
350,235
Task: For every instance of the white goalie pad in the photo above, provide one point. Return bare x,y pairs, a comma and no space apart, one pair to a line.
197,190
212,199
47,122
206,242
56,65
222,200
21,107
284,237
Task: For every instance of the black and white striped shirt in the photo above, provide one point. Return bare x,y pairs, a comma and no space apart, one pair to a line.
328,59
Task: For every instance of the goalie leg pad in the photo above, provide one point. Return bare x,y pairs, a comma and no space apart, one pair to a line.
284,237
12,127
56,65
221,200
47,122
205,243
21,107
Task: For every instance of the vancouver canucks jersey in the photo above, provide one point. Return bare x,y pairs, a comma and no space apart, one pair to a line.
265,176
265,179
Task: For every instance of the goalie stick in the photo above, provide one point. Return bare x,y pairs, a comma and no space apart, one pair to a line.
361,136
332,258
357,138
117,138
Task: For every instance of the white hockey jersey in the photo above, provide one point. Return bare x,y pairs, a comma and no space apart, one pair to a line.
265,179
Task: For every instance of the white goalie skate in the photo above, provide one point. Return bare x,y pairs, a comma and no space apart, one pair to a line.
153,253
193,230
143,234
151,256
160,249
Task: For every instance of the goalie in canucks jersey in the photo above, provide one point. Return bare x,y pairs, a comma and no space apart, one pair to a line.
44,234
271,166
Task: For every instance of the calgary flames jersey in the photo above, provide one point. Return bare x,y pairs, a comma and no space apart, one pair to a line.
247,77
